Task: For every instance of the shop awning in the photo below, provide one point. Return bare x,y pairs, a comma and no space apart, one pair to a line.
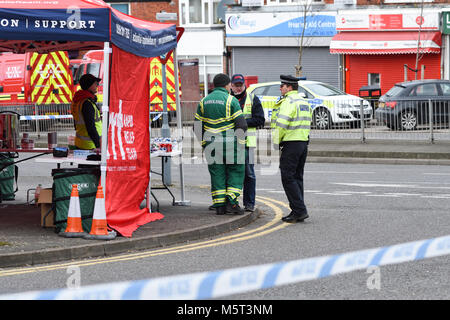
389,42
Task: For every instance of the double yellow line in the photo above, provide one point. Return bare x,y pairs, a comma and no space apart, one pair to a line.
267,228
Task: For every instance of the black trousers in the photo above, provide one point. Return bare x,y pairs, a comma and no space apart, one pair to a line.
292,164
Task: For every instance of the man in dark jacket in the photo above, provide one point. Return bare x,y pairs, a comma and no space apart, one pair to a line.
254,115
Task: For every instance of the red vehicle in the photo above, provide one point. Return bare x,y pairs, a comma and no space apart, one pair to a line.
92,63
74,65
35,78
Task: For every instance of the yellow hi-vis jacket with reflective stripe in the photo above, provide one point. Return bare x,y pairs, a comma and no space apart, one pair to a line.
218,111
82,139
293,120
251,132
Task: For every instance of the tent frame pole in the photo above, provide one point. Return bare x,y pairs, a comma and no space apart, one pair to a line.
105,113
183,201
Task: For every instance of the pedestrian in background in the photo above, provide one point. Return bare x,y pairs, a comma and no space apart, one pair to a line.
292,125
254,115
220,114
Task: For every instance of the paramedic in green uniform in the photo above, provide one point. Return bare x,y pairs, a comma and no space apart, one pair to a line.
220,124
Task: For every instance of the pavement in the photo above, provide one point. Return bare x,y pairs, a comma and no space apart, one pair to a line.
23,242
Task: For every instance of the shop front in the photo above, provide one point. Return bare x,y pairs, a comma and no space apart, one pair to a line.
267,44
382,48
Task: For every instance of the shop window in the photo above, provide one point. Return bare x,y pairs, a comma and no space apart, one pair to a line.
205,12
195,11
373,79
183,13
122,7
199,12
216,19
208,67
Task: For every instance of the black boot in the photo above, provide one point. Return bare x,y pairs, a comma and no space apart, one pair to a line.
221,210
234,208
295,217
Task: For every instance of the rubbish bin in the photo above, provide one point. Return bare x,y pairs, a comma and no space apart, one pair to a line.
87,180
372,94
8,174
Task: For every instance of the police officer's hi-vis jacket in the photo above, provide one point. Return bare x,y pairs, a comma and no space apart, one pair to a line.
292,120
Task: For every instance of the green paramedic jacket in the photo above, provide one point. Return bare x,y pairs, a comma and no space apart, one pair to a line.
292,121
218,112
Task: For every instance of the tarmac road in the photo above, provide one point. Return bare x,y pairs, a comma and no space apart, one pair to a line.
352,207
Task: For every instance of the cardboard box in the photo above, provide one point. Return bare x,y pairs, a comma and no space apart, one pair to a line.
45,202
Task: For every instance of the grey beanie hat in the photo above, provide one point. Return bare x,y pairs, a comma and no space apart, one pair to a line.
221,80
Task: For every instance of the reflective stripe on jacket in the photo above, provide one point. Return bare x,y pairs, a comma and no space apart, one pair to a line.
215,118
251,131
293,119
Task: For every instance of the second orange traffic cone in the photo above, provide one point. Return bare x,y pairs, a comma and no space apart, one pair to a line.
99,228
74,227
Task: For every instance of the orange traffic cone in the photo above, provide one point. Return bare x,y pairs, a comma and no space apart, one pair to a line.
99,229
74,228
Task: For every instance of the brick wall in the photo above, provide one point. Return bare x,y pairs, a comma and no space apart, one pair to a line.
147,10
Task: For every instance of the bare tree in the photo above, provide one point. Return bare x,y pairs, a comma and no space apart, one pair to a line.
305,10
418,41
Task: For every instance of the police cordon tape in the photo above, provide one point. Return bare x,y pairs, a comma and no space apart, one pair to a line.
53,117
207,285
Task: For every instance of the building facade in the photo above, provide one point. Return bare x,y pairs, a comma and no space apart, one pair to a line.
267,41
346,43
380,47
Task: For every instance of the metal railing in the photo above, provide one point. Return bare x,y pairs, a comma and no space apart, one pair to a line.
35,118
415,120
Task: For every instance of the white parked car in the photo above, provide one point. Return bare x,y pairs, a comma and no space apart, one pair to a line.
331,106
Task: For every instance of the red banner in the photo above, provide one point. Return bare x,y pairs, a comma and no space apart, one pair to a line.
128,162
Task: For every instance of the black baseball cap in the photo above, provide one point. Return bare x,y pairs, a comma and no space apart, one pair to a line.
87,80
237,78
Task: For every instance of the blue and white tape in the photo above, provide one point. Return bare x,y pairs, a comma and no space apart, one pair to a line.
63,116
206,285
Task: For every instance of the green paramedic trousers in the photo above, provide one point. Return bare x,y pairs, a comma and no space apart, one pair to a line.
227,179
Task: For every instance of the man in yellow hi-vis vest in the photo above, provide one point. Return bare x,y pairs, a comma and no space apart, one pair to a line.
254,115
292,124
86,115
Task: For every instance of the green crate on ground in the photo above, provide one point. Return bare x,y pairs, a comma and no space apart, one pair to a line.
8,175
87,180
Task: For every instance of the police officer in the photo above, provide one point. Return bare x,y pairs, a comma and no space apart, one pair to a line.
86,114
254,115
218,116
292,124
